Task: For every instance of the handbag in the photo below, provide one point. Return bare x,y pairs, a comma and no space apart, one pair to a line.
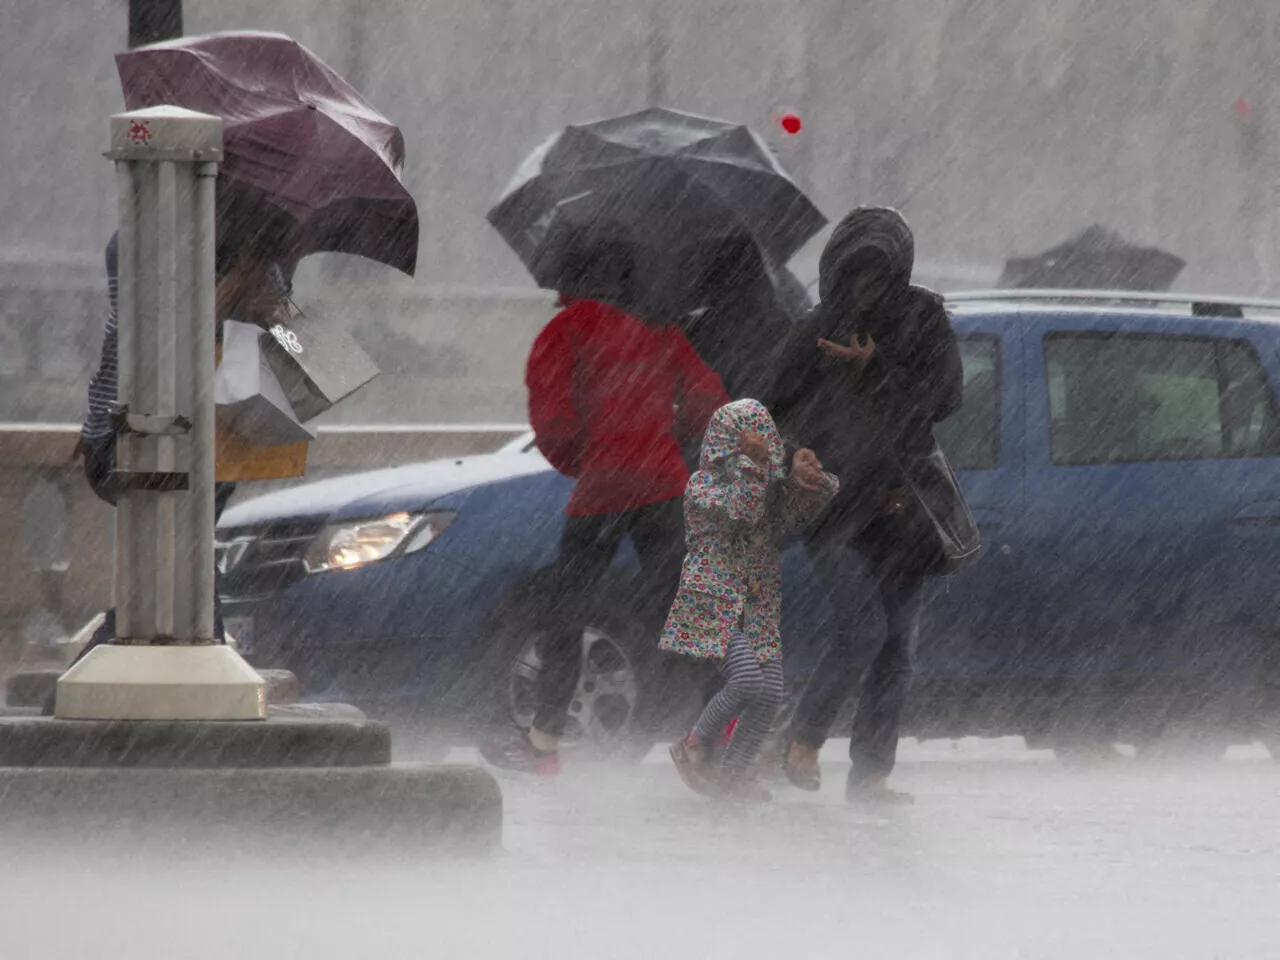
944,536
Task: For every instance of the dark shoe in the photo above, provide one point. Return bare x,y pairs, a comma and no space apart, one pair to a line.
694,764
875,792
770,764
802,768
512,750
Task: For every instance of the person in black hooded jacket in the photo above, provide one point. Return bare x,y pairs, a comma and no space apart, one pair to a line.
862,381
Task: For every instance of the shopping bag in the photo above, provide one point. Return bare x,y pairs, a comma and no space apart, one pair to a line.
317,362
249,398
239,461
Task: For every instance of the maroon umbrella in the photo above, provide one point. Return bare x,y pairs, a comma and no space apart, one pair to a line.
303,150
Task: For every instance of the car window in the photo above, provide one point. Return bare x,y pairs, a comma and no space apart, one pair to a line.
971,438
1130,398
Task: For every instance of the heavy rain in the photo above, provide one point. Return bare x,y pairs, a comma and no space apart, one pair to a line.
624,478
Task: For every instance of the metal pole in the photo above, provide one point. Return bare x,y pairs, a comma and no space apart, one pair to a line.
126,299
168,329
164,572
203,447
165,665
151,21
658,44
139,396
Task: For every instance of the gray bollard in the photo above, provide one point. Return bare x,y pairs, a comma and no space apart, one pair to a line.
164,663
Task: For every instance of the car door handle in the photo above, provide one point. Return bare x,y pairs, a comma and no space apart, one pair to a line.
1255,523
1256,515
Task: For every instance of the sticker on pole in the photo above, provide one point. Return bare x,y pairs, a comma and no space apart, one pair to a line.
286,338
139,131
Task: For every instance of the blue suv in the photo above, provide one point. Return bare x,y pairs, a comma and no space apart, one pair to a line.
1121,453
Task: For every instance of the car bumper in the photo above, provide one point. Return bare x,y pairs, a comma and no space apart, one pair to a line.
389,631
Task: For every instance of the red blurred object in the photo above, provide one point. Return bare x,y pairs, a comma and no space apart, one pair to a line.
597,379
791,123
728,732
1244,109
298,141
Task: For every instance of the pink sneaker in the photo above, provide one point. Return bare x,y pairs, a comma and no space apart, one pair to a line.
512,750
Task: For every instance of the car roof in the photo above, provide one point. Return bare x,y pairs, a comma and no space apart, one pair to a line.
1118,302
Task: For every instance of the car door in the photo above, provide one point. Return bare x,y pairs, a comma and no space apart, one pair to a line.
1153,497
967,618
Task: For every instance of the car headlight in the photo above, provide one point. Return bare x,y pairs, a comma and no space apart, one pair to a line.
346,545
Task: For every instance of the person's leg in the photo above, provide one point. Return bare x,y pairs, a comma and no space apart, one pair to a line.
754,722
657,531
222,494
873,747
586,550
844,576
743,684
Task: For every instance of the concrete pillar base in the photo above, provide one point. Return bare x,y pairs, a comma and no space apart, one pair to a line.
324,736
335,812
31,688
124,682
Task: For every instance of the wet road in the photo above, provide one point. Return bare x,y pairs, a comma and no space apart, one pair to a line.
1006,854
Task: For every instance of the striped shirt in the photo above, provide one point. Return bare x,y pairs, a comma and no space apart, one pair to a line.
104,386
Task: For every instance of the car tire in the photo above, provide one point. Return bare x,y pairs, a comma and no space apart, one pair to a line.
612,714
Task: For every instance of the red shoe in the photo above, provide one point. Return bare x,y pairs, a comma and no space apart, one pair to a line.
694,764
513,751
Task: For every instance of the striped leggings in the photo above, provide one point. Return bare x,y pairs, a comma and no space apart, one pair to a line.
753,693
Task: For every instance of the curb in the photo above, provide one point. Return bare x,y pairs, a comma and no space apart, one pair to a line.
399,808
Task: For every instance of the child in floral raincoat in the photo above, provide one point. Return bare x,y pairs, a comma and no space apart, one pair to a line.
737,508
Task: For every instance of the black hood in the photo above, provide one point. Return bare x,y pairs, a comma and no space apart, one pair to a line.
881,230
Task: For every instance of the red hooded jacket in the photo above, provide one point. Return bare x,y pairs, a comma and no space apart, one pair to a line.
612,401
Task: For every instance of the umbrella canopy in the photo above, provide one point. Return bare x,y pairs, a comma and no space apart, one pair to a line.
743,324
659,182
1096,259
306,157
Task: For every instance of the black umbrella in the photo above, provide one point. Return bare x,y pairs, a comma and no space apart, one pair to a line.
742,312
659,183
1097,259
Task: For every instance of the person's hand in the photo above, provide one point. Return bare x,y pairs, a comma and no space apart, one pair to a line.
806,470
857,350
754,446
895,500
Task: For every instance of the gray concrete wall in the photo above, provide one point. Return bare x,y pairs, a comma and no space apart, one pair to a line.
1000,127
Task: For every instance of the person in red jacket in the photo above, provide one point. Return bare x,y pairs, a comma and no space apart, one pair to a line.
613,400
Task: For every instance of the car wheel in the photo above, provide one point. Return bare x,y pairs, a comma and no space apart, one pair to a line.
608,715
